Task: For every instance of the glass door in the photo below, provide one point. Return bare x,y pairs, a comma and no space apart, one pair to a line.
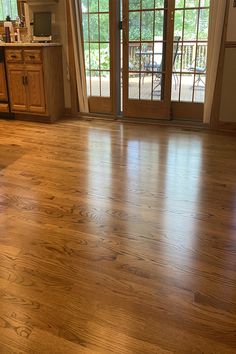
163,57
147,58
191,25
98,18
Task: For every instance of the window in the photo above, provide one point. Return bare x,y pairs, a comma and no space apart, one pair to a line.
8,8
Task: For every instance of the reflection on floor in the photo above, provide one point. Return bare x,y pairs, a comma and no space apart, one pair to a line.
116,238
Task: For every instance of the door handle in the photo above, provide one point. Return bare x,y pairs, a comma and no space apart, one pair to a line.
25,80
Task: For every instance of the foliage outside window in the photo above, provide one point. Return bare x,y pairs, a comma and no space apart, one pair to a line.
96,27
8,8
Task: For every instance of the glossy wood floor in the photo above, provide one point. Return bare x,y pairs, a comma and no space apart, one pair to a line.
116,238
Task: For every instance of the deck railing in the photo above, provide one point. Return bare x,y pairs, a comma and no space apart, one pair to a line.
189,55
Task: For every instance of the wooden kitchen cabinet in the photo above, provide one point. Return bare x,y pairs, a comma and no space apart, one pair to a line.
35,83
4,107
35,88
3,86
18,95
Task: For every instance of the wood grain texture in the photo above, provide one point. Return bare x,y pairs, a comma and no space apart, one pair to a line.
3,84
116,238
36,83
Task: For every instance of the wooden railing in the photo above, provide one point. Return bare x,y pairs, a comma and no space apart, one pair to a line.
186,53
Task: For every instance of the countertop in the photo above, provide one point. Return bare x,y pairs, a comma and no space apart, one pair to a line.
3,44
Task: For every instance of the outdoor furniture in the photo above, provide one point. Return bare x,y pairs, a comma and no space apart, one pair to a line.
159,75
199,69
198,79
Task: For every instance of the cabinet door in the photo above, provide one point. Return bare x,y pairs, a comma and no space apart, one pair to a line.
17,88
35,88
3,86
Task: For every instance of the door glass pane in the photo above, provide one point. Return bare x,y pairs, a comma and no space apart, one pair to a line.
104,27
104,5
93,5
199,92
96,40
146,57
146,50
179,3
187,81
148,4
147,25
134,26
88,82
192,3
158,56
134,84
84,5
95,83
105,83
205,3
135,4
85,28
178,24
158,84
159,4
203,24
94,56
105,56
159,24
191,25
134,57
146,89
93,28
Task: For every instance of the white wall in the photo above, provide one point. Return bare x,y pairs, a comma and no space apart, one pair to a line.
227,99
231,32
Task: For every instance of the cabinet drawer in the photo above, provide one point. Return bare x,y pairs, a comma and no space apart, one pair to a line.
32,56
14,55
4,107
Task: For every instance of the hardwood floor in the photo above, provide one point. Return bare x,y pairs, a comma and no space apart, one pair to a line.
116,238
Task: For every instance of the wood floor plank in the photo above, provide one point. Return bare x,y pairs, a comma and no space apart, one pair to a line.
116,238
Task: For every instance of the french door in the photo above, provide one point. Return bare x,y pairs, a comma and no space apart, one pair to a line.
160,72
147,58
99,37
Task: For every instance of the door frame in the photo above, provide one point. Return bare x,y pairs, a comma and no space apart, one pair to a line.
165,109
154,109
100,104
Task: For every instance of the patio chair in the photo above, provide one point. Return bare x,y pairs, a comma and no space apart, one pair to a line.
158,76
198,70
175,55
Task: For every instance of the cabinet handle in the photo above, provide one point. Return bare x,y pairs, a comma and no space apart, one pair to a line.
26,80
23,80
32,57
13,56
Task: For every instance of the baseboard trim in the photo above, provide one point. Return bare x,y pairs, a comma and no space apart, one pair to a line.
228,126
33,118
68,112
174,122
